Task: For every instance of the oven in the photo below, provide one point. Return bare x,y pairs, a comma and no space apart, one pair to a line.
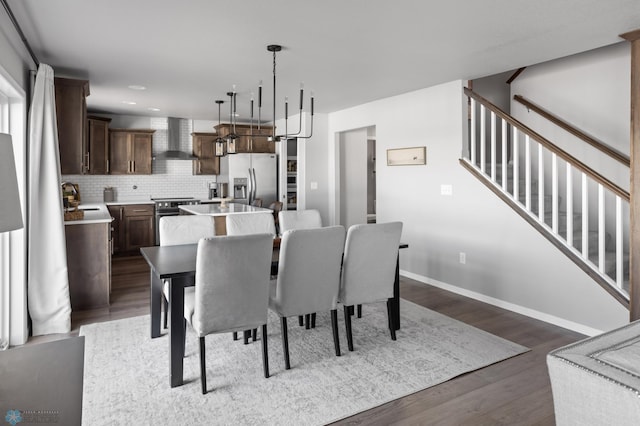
169,207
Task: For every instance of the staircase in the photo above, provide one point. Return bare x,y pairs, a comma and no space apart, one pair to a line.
582,213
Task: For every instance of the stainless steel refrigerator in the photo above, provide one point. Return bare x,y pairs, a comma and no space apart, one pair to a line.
253,176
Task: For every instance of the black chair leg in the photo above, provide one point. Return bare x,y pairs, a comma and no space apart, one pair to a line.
334,326
300,320
254,334
307,321
347,323
165,304
392,326
235,335
203,370
359,311
246,334
184,337
285,343
265,353
313,320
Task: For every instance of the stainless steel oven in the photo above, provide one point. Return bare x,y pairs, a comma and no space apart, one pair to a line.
169,207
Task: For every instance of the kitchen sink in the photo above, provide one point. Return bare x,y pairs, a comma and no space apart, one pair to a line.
88,208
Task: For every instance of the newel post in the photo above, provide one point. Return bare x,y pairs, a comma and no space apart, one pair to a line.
634,236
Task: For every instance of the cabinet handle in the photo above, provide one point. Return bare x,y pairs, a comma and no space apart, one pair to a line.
86,156
200,166
139,210
133,166
108,169
121,211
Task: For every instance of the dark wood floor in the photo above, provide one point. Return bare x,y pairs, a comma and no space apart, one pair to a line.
513,392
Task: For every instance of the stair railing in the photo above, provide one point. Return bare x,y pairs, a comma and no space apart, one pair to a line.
521,166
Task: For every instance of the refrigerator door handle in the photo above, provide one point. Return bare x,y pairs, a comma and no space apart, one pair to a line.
255,184
250,190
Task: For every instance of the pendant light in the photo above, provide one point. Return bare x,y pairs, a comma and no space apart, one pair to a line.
220,142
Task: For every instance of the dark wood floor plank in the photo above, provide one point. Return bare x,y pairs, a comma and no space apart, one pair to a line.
513,392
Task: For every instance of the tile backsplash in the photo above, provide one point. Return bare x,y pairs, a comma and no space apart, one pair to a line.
170,178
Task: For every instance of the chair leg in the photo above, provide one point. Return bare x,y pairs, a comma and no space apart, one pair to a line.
359,311
235,335
165,304
184,337
254,334
265,353
334,326
203,370
347,322
313,320
300,320
307,321
392,325
246,334
285,343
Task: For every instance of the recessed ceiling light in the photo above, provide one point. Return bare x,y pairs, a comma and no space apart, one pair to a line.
128,102
137,87
153,109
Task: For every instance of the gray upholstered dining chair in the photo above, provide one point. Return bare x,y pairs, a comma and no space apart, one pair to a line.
299,219
231,293
308,278
178,230
251,223
368,269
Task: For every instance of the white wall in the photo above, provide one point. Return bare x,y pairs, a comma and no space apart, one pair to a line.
507,261
591,91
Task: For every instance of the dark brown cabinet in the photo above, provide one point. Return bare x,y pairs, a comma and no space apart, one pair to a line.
88,265
98,144
133,227
130,151
246,144
71,117
204,147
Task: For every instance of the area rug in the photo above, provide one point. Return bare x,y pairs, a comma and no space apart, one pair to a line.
126,373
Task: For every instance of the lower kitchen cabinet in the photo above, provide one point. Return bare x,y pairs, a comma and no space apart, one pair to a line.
89,265
132,227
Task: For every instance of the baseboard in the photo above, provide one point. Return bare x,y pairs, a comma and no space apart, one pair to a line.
532,313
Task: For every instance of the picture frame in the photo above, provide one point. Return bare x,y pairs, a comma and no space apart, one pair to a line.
407,156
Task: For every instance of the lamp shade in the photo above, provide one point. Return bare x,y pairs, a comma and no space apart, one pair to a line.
10,212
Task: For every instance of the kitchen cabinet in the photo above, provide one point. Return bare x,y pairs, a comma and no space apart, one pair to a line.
98,145
204,147
245,144
130,151
89,265
133,227
71,118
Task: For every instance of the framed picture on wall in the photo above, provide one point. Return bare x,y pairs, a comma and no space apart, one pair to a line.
407,156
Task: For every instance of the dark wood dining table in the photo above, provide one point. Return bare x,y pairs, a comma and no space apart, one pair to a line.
178,265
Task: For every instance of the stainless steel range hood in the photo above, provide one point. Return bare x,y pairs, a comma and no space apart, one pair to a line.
178,144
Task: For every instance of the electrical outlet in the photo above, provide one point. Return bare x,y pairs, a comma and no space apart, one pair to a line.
446,189
463,257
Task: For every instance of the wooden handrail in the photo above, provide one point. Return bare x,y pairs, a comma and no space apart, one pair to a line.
613,153
515,75
550,146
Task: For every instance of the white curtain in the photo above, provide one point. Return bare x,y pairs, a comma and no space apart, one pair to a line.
48,281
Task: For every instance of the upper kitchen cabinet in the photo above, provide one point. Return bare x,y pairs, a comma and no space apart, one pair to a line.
71,113
247,143
98,143
204,147
130,151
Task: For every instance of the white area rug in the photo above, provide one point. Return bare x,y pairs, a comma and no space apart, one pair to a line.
126,373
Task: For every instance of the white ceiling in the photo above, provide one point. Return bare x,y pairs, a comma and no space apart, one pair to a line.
349,52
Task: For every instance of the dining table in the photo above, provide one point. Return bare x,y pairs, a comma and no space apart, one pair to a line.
177,265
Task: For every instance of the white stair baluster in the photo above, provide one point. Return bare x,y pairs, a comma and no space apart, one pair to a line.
516,166
493,146
601,228
473,130
585,217
619,244
540,183
569,206
554,193
483,138
504,154
527,172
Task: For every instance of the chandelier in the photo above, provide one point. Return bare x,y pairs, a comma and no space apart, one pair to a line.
228,145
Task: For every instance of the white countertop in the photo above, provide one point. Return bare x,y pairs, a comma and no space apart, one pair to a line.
218,210
93,213
128,201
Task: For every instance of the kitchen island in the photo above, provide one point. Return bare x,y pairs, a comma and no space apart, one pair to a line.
88,242
220,213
